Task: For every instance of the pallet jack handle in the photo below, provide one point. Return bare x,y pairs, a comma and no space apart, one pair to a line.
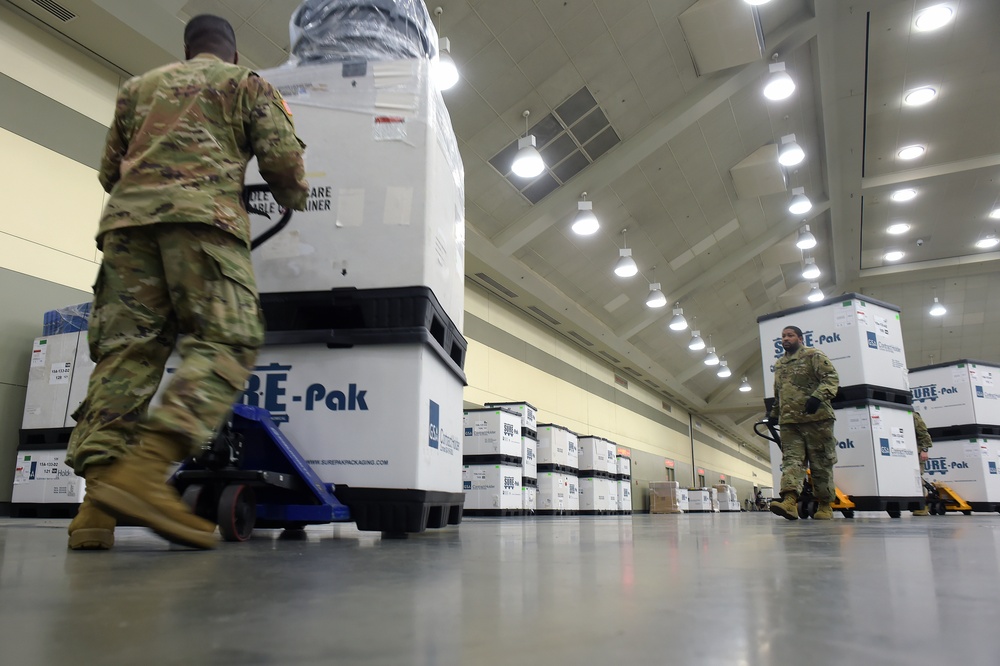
773,435
286,216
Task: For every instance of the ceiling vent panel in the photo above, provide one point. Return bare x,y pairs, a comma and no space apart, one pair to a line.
759,173
722,34
55,9
544,315
496,285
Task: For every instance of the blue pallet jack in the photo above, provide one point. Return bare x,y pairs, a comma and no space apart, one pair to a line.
251,476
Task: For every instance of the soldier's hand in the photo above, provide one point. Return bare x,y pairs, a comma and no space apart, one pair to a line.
924,456
812,404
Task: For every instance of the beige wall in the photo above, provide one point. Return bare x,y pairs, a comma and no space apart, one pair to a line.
495,376
53,203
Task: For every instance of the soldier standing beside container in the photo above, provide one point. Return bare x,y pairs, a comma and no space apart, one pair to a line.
176,270
804,383
924,443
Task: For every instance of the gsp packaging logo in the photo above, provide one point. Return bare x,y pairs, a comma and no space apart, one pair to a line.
872,340
435,425
884,446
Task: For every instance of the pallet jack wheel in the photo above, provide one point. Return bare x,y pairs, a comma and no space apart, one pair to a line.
237,512
201,500
848,513
967,513
807,509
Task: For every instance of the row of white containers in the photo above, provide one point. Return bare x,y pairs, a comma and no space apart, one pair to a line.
512,463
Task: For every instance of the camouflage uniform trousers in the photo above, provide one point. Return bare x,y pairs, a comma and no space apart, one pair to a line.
161,286
812,444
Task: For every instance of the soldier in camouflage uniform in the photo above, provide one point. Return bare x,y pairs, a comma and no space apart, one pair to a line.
924,444
176,271
804,383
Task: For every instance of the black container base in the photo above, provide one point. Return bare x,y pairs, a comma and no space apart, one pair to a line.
396,512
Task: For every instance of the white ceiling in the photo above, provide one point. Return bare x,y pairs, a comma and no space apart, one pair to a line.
667,182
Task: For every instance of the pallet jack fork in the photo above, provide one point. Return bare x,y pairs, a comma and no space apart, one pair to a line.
942,499
251,476
808,504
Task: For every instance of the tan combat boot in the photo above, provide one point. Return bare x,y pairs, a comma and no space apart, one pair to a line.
135,488
92,529
921,512
824,512
787,507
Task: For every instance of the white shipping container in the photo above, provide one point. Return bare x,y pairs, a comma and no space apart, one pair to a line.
624,465
50,377
623,491
526,410
557,446
699,500
492,431
553,492
530,498
489,487
387,203
529,457
594,453
876,451
957,393
968,466
40,477
572,493
862,337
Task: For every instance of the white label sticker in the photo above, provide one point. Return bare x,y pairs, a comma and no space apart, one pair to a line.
350,207
882,324
398,204
38,354
60,373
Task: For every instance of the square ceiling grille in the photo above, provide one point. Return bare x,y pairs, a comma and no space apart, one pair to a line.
569,138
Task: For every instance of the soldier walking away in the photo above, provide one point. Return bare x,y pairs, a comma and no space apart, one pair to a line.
176,270
924,443
804,383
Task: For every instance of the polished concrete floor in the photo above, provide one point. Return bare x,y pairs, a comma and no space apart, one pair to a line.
727,589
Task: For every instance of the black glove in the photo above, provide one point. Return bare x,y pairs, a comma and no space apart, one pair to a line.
812,404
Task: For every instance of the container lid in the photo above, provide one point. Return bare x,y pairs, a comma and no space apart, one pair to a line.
557,427
961,361
596,437
828,301
492,410
510,404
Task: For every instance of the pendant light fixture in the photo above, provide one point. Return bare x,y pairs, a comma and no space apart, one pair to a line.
711,358
810,271
528,162
800,203
444,71
626,266
791,152
656,297
745,386
678,322
724,370
779,84
697,343
805,241
937,310
815,294
585,223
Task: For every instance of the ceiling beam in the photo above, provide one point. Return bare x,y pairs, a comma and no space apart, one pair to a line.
949,265
715,90
841,53
725,266
932,171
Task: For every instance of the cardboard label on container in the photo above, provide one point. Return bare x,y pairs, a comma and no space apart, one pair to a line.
38,354
60,373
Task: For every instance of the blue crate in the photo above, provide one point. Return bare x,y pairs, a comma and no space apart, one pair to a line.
69,319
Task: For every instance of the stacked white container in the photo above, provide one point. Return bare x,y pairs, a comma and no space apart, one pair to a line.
960,403
623,479
529,449
558,470
864,340
598,486
492,462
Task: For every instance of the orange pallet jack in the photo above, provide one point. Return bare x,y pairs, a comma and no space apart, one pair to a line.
942,499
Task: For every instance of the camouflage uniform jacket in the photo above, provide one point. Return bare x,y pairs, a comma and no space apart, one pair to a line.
797,377
923,436
181,140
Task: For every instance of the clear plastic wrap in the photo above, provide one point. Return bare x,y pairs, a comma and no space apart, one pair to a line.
69,319
323,31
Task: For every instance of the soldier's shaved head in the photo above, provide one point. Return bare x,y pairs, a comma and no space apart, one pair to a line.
207,33
798,331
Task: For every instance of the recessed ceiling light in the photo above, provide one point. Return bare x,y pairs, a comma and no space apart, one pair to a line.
911,152
898,228
933,18
756,2
893,255
995,214
988,242
903,195
919,96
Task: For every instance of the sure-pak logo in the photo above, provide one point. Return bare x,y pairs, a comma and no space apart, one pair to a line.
809,339
931,392
266,388
848,444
